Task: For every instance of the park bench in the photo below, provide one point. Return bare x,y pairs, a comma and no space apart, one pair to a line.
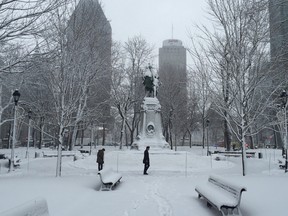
235,153
37,207
222,195
84,151
282,163
16,161
55,154
109,179
2,156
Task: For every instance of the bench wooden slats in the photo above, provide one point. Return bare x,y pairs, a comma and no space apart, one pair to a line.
221,194
219,200
109,179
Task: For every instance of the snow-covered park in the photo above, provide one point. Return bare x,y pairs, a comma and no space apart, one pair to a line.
168,190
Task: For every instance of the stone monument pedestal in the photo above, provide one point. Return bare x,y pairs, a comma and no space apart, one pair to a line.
150,133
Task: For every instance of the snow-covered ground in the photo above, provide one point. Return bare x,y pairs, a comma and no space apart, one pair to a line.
168,190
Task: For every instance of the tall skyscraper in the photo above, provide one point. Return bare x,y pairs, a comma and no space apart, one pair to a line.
89,38
278,15
278,18
173,54
173,87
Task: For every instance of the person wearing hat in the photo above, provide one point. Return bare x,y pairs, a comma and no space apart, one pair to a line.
146,160
100,158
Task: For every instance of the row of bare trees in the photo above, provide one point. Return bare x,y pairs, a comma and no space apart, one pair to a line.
60,68
129,62
235,73
20,23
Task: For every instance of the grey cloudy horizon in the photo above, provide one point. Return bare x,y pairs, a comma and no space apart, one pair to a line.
154,19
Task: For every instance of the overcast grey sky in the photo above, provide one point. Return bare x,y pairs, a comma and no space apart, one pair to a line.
153,19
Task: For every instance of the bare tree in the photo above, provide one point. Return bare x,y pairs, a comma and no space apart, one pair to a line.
22,20
173,99
201,81
237,54
89,48
62,82
193,118
121,91
128,91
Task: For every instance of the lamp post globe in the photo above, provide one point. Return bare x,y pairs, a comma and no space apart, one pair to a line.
29,114
16,95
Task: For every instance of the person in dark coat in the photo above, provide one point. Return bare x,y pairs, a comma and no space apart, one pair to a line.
146,160
100,158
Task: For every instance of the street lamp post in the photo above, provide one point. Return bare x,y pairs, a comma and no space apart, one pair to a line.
16,95
283,98
29,132
207,130
91,138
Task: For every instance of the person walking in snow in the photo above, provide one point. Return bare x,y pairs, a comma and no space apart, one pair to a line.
146,160
100,158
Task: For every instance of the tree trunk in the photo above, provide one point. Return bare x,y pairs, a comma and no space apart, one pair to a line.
41,132
59,155
103,135
121,134
126,135
175,140
74,138
183,138
203,134
227,134
190,139
82,137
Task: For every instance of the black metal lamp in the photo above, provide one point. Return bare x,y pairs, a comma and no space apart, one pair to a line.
207,122
283,97
16,95
29,114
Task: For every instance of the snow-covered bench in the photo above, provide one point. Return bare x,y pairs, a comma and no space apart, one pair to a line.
109,179
16,161
37,207
55,154
84,151
281,163
249,154
2,156
221,194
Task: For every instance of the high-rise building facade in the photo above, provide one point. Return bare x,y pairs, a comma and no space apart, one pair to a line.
173,87
172,53
278,17
89,38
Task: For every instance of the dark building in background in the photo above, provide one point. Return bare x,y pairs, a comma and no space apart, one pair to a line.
173,79
89,38
172,53
278,15
278,18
